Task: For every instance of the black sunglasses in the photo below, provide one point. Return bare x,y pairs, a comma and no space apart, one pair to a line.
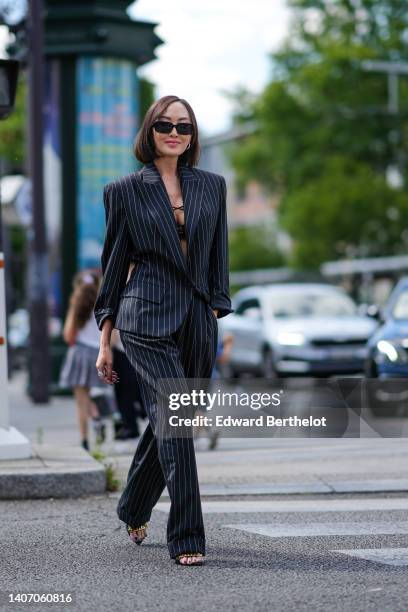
166,127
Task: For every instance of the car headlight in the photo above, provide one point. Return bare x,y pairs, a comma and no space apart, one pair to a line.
291,338
391,351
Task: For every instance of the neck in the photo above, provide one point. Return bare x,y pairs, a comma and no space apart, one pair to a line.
167,166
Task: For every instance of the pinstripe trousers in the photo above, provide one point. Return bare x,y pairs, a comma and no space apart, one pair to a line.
189,352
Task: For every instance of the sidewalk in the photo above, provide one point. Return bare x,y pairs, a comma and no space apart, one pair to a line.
250,466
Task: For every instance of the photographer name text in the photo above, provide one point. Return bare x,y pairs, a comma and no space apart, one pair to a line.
259,421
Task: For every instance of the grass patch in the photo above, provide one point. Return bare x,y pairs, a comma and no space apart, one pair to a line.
112,481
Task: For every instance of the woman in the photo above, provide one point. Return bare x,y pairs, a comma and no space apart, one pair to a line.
82,335
170,220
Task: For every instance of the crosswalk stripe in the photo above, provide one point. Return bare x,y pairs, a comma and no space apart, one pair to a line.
293,506
386,556
335,528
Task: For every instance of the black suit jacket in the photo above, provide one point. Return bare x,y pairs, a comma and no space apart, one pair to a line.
140,226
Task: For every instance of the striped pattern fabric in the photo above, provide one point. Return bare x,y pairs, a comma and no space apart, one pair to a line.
169,461
167,326
140,226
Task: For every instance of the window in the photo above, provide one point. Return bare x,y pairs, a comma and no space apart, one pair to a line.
246,304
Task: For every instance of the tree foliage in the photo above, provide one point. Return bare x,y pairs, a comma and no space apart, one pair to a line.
147,89
12,130
253,247
324,136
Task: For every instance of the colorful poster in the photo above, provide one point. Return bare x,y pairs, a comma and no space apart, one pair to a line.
108,114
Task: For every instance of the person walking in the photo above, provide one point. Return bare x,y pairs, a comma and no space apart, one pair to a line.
169,218
82,335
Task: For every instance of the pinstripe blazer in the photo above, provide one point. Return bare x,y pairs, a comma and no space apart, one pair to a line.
140,226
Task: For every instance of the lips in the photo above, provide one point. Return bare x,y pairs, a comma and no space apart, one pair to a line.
172,142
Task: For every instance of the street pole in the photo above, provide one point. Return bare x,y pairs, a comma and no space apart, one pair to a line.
13,444
4,411
38,262
393,70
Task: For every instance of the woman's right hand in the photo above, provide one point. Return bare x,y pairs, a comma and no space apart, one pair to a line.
104,366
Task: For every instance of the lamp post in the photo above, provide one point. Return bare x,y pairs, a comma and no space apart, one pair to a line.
13,445
393,70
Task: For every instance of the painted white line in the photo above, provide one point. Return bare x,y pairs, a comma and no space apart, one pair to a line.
319,505
386,556
301,530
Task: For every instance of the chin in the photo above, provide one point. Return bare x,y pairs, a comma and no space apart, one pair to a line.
172,152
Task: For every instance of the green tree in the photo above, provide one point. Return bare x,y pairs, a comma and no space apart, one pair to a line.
324,137
147,94
12,131
254,247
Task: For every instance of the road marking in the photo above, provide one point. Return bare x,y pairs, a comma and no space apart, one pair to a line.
336,528
320,505
386,556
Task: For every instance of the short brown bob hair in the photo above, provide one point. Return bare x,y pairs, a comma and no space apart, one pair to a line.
144,149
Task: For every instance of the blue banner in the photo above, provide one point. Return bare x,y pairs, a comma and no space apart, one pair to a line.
108,119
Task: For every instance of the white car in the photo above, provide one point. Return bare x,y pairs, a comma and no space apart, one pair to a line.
297,329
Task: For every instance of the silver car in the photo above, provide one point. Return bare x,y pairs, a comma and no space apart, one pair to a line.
297,329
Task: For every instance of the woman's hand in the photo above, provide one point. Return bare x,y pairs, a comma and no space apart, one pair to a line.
215,313
104,365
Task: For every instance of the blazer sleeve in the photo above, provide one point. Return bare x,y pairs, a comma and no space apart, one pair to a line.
219,260
115,257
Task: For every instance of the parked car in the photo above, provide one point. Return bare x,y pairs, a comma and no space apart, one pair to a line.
386,364
297,329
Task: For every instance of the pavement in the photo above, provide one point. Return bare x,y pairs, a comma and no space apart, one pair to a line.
325,554
239,466
291,524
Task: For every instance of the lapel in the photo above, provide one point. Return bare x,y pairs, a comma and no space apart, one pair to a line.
155,198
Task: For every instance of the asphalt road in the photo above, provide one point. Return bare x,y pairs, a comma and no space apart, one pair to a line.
315,553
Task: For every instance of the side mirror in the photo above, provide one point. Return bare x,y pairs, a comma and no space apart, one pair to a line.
375,312
369,310
253,313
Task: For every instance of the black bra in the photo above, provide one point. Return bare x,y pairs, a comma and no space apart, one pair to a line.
181,228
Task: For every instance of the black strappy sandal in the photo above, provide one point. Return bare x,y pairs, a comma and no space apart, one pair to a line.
183,555
135,535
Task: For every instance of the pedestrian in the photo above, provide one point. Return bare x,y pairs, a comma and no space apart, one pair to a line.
127,394
81,333
170,219
222,357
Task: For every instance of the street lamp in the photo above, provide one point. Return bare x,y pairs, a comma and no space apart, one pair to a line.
13,445
393,70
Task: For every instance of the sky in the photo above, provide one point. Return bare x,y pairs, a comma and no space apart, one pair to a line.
212,46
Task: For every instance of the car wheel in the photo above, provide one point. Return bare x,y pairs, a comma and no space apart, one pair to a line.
268,365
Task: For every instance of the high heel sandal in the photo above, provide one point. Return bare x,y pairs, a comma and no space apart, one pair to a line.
137,534
199,561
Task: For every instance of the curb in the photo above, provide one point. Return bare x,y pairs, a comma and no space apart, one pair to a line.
328,487
52,472
333,488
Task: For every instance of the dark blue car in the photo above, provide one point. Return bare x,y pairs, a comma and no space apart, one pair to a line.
387,357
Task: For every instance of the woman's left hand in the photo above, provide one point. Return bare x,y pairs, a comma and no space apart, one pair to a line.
215,313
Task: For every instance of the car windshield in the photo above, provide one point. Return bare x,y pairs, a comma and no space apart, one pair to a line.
400,310
287,304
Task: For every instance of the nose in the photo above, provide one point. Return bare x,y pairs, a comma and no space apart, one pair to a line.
173,132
